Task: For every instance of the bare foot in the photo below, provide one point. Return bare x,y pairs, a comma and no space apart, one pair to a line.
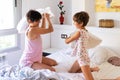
95,69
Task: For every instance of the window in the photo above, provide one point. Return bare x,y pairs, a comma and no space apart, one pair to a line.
9,16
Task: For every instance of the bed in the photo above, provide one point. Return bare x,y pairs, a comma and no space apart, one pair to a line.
65,61
99,56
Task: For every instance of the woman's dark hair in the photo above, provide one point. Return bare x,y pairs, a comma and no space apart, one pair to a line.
81,17
33,15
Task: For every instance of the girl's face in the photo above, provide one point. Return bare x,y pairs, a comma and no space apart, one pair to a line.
34,24
78,26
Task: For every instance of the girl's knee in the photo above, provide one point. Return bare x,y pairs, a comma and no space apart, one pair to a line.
52,69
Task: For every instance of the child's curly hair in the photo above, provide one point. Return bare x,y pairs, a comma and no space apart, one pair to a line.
80,17
33,15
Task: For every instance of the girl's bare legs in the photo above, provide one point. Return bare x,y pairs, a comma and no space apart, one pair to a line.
37,66
76,68
94,69
87,72
46,64
48,61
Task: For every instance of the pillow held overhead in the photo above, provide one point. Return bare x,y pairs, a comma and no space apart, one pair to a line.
23,25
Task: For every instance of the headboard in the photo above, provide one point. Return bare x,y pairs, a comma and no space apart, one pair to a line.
110,36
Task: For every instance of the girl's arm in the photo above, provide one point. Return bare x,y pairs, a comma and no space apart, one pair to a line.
75,36
43,21
45,30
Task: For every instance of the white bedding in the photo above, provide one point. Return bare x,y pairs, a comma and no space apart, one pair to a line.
107,71
65,61
15,72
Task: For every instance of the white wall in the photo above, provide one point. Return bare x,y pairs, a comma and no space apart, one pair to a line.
72,6
109,15
95,16
35,4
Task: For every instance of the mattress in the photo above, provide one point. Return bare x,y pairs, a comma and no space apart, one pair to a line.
65,61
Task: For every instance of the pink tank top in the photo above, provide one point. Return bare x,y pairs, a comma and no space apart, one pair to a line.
33,48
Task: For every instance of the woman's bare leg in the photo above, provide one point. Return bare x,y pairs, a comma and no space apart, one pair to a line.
48,61
87,72
37,66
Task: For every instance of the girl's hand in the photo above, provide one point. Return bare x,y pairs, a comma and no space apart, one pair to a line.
47,16
43,16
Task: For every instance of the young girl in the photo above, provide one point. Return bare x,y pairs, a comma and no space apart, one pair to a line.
82,64
32,55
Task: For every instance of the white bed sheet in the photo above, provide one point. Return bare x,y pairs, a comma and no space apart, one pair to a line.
107,71
65,61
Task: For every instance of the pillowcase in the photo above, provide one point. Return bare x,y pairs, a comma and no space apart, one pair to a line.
45,10
93,41
111,53
100,54
73,43
23,25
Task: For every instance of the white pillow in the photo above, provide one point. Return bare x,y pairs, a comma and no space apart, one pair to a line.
98,55
93,41
23,25
46,10
111,53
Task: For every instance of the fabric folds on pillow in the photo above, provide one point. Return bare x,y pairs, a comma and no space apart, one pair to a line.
93,41
100,54
23,25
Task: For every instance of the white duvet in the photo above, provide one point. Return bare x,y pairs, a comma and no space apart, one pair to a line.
107,71
65,61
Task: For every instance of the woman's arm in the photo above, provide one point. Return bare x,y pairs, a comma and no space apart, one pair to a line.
75,36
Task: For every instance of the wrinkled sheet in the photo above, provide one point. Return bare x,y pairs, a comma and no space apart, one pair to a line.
16,73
